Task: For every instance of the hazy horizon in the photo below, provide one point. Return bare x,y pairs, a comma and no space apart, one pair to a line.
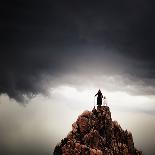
38,126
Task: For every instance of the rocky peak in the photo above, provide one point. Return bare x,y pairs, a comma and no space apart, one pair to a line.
94,133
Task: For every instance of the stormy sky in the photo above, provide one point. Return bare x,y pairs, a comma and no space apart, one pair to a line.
57,52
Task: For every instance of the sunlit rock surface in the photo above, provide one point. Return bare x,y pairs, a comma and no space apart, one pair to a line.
94,133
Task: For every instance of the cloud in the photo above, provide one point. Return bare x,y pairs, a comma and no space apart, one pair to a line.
44,42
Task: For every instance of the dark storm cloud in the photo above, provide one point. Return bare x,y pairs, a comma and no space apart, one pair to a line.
42,39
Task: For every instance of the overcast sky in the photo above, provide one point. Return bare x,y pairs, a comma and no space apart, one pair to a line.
61,53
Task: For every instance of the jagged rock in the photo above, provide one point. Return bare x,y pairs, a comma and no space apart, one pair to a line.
94,133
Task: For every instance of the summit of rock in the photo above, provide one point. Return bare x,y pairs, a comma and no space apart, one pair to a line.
94,133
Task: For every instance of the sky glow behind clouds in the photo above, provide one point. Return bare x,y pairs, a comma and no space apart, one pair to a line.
46,120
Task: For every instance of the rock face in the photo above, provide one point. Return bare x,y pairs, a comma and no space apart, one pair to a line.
94,133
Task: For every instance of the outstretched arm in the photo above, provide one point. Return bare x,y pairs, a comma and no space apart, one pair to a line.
96,94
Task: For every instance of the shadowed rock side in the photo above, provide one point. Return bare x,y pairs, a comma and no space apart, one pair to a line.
94,133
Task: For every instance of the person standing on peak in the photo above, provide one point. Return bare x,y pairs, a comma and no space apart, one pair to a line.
99,98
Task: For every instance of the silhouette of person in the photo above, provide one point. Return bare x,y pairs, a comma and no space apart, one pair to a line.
99,98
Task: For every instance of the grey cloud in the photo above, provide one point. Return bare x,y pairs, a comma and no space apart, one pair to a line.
43,41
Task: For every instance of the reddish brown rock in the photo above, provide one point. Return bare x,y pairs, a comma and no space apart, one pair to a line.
94,133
